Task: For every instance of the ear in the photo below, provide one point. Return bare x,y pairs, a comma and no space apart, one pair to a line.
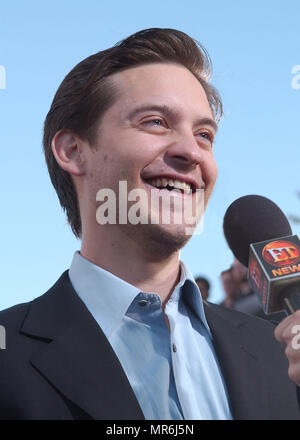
67,151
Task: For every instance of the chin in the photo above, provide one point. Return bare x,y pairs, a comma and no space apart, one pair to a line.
161,240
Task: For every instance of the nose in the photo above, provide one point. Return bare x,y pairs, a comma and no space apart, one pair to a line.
184,153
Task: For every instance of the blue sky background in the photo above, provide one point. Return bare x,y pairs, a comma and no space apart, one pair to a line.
253,45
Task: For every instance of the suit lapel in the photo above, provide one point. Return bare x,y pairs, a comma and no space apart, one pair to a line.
79,360
240,363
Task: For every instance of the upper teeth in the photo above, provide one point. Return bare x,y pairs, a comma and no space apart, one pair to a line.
177,184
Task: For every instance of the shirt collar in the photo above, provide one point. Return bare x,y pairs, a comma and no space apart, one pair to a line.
108,297
191,294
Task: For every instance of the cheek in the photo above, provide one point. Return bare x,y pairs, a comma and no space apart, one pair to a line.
215,172
142,146
210,171
108,169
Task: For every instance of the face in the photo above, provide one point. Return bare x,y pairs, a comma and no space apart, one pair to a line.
239,271
160,128
203,289
228,284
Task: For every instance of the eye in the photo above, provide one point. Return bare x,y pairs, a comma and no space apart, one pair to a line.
155,125
155,122
207,136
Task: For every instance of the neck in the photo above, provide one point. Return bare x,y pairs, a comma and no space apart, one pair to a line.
133,262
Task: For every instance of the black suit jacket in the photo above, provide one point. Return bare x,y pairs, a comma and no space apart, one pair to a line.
58,364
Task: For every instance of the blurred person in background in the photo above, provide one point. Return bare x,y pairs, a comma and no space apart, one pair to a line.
230,288
240,296
204,287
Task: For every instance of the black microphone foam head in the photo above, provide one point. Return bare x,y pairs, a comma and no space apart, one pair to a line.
251,219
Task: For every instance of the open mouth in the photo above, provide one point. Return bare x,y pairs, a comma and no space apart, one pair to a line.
165,183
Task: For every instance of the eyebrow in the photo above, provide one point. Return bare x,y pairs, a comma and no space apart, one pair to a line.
170,113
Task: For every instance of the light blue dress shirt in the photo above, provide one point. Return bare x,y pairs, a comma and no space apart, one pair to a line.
174,374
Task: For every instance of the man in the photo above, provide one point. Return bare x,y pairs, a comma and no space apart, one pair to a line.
124,333
230,287
204,287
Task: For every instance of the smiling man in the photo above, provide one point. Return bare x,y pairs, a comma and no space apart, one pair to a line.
159,128
124,333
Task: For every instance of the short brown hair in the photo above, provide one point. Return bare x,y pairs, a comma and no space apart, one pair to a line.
86,93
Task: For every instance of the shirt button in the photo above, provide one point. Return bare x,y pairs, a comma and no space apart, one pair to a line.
143,302
174,348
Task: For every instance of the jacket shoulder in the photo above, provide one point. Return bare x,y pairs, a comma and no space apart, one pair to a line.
258,332
13,317
18,378
236,316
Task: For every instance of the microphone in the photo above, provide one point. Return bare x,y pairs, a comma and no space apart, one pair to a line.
260,237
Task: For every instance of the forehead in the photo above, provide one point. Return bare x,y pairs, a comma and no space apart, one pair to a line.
161,83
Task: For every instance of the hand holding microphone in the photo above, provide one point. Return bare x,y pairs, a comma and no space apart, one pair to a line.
288,332
260,237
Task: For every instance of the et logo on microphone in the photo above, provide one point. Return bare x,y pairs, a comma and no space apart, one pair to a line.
281,253
273,265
